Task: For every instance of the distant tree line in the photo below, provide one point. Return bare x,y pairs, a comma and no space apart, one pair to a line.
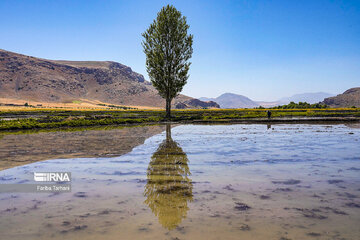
114,106
300,105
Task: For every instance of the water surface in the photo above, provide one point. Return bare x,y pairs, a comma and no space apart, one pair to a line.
191,182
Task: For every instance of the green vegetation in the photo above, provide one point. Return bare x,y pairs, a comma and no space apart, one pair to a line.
168,48
301,105
56,122
116,106
56,118
69,129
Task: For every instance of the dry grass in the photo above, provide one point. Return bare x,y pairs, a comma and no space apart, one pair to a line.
80,104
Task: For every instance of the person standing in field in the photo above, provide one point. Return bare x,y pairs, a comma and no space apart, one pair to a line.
268,114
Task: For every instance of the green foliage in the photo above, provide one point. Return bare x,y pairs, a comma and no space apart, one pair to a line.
121,107
168,48
56,122
115,106
47,119
26,104
301,105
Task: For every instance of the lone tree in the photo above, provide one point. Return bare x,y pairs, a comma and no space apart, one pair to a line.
168,47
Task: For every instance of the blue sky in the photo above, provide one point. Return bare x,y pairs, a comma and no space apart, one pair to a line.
261,49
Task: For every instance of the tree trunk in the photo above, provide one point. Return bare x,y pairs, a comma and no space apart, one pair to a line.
168,108
168,132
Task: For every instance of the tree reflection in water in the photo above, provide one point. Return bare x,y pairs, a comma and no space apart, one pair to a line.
169,188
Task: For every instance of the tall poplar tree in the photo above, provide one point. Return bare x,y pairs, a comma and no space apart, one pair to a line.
168,48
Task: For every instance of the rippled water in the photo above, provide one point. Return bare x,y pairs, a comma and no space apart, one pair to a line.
188,182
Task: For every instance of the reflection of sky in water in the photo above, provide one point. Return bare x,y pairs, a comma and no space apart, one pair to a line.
173,178
219,145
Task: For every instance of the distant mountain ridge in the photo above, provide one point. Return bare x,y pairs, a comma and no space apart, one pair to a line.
306,97
231,100
35,79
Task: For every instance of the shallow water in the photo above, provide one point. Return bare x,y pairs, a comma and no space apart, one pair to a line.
192,182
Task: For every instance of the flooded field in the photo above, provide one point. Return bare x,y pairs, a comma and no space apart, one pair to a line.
279,182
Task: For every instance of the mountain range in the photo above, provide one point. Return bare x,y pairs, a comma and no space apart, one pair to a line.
42,80
349,98
59,81
231,100
306,97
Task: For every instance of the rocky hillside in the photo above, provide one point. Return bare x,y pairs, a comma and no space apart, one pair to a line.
34,79
349,98
196,102
231,100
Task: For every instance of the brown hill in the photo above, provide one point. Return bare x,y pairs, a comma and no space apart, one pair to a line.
34,79
349,98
